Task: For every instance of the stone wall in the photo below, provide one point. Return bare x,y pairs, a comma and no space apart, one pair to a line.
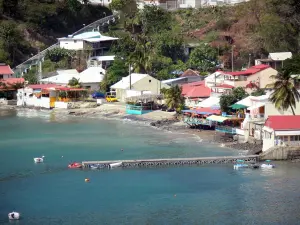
281,153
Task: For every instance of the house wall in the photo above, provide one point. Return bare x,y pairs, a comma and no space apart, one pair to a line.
5,76
149,84
71,44
271,110
268,140
262,77
211,80
93,86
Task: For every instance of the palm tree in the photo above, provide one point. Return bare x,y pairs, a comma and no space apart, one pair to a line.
285,94
174,98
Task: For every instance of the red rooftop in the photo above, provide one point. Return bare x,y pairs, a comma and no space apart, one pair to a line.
283,122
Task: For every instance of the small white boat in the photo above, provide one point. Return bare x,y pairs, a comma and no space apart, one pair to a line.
14,216
113,165
39,159
267,165
240,164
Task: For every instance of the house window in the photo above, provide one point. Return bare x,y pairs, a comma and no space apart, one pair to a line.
149,81
75,41
1,76
285,138
292,138
297,138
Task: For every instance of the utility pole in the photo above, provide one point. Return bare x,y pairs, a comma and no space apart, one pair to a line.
232,57
40,67
129,76
249,60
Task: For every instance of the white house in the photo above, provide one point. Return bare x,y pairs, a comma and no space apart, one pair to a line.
5,71
101,61
92,40
281,131
142,83
275,60
89,78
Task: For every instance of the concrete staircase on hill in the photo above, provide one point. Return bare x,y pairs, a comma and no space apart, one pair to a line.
96,25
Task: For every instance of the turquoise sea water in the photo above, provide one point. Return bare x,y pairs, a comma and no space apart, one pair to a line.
49,193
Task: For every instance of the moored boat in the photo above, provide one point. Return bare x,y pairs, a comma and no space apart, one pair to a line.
39,159
240,164
14,216
75,165
113,165
267,165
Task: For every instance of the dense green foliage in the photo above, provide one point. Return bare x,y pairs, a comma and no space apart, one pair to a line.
174,99
29,25
227,100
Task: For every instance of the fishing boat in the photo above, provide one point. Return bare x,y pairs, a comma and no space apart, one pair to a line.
14,216
267,165
75,165
39,159
113,165
240,164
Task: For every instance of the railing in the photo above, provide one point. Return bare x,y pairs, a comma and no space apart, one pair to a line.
196,121
31,61
226,129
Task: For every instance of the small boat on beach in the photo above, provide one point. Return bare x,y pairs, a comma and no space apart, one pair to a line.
240,164
267,165
113,165
39,159
75,165
14,216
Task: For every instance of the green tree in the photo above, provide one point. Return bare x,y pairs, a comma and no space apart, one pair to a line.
227,100
74,82
58,54
174,98
285,94
292,65
203,58
258,92
113,74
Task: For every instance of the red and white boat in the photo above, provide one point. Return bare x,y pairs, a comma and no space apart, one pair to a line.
75,165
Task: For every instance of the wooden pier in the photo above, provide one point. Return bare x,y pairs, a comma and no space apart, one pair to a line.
174,161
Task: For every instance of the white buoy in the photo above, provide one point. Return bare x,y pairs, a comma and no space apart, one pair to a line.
14,216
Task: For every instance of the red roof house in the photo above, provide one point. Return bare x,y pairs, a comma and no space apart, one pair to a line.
283,123
6,84
5,71
196,90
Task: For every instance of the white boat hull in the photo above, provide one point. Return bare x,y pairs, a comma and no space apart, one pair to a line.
14,216
38,160
238,166
113,165
268,166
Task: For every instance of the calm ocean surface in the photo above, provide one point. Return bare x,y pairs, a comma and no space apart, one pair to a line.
50,193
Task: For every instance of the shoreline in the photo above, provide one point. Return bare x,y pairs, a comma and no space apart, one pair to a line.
160,120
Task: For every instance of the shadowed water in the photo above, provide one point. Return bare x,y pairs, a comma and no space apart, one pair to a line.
49,193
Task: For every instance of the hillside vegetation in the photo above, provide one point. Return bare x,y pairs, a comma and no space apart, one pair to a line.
29,25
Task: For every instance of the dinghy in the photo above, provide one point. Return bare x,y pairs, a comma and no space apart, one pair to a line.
240,164
113,165
39,159
267,165
75,165
14,216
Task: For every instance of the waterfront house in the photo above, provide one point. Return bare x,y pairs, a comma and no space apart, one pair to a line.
89,78
48,96
271,110
137,84
275,60
195,92
8,89
253,78
281,131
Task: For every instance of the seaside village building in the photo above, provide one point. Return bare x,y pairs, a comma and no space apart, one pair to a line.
49,96
8,85
94,42
281,131
136,85
274,60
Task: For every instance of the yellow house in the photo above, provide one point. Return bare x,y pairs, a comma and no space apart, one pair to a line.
137,84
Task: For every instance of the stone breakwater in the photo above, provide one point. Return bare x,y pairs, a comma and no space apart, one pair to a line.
173,162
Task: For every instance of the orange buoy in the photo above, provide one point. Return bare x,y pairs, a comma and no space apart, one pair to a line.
87,180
